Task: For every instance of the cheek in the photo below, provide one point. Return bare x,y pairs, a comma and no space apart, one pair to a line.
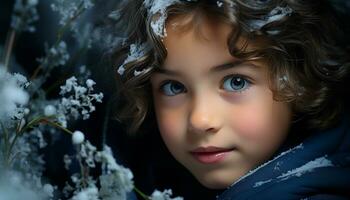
170,123
261,130
262,121
167,124
250,122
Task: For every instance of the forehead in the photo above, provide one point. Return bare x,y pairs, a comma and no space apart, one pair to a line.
192,55
202,25
207,40
200,50
207,25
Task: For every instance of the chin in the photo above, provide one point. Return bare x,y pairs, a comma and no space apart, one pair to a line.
215,182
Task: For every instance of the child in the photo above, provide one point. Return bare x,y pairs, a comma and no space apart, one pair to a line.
247,95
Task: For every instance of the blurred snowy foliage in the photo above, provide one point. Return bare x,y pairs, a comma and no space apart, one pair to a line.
29,115
24,15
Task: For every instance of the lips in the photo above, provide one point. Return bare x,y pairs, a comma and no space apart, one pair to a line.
211,155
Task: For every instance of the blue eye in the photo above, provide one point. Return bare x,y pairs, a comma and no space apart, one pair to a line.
235,84
172,88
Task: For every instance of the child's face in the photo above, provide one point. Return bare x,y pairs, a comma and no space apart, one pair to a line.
218,120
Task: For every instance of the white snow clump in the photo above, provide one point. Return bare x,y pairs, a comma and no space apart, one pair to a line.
78,137
165,195
159,7
275,14
13,96
136,51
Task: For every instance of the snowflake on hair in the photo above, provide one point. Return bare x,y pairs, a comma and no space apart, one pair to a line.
277,14
158,7
136,52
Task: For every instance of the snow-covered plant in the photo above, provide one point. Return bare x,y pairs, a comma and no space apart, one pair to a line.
13,97
14,185
115,181
29,116
25,112
24,15
77,100
68,9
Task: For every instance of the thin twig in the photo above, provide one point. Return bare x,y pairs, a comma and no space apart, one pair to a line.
9,47
60,35
57,125
141,193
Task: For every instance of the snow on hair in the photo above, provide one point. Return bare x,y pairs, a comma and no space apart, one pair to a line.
159,7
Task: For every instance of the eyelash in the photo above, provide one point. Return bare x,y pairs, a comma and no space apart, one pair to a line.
170,83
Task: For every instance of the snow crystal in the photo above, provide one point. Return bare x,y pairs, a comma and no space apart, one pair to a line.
13,97
121,70
79,100
111,166
308,167
78,137
15,94
90,83
15,185
165,195
159,7
260,183
136,51
158,27
277,166
70,83
283,78
21,80
143,71
88,151
219,3
26,111
48,189
116,180
50,110
276,14
90,193
273,32
300,146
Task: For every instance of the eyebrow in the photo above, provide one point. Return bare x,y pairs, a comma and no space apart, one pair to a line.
217,68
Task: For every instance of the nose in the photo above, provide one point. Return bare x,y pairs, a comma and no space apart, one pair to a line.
204,116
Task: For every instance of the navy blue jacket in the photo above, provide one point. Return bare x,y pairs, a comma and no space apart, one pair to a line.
317,168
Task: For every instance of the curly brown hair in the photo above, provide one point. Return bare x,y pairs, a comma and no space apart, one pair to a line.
307,65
